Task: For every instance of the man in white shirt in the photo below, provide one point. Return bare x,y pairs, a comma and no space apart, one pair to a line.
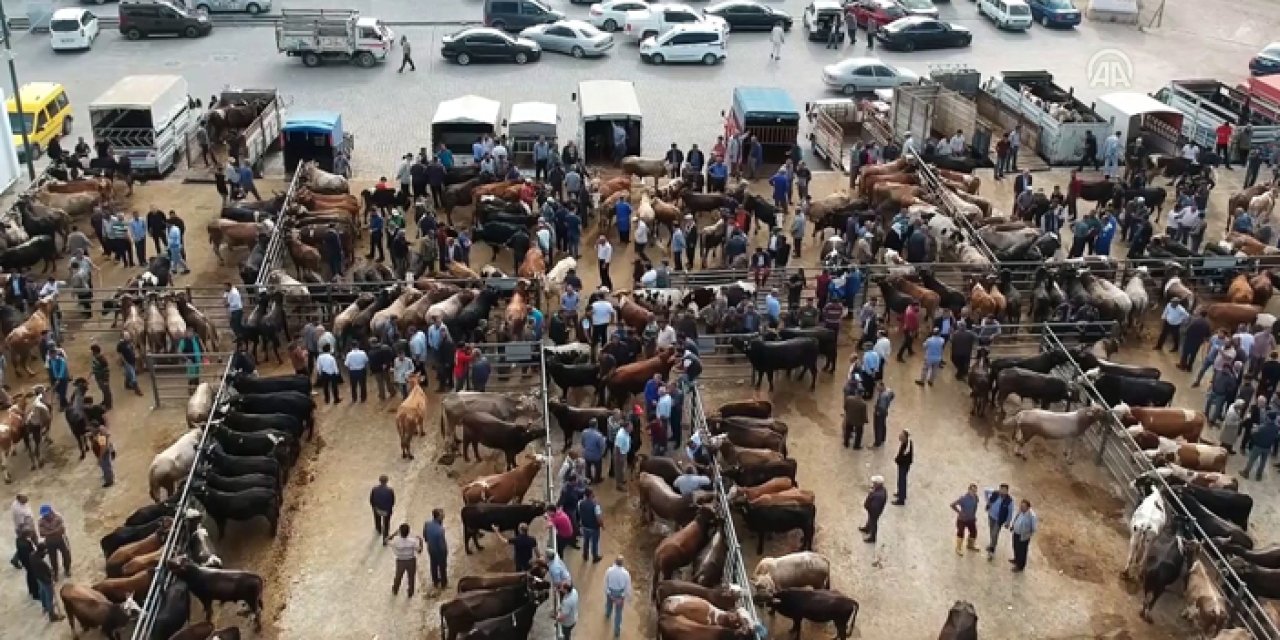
617,587
604,257
326,339
50,288
884,348
357,363
602,313
500,156
235,307
776,38
666,335
1243,338
649,278
24,522
957,144
1173,316
641,236
1191,152
327,374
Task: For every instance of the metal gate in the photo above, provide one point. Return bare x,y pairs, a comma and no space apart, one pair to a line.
551,493
174,376
179,532
1123,459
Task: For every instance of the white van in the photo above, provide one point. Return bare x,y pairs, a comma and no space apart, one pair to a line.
1007,14
703,43
72,29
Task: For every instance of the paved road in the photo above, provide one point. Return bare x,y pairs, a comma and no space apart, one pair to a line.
681,103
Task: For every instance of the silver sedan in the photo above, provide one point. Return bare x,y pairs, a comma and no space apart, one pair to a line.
574,37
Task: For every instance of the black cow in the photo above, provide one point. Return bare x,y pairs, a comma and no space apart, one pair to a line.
1213,525
1230,505
894,301
496,234
780,519
1168,559
1135,392
272,384
152,512
573,419
568,376
232,484
461,614
818,605
752,475
1268,557
174,611
239,505
128,534
515,625
1039,363
783,355
1088,361
28,254
1263,582
470,316
239,214
296,404
1098,191
762,210
256,422
1029,385
280,445
1152,197
229,465
826,342
478,518
221,585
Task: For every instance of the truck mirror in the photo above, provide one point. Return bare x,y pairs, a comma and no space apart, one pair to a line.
573,97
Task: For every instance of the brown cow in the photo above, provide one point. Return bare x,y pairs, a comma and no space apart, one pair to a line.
658,498
503,405
631,378
141,563
506,190
121,556
26,337
746,408
499,580
506,436
1240,200
1206,608
1239,290
229,233
1196,457
928,298
789,496
682,547
682,628
742,456
503,487
411,415
1230,314
1164,421
75,204
698,610
94,611
739,493
632,313
120,589
723,597
305,257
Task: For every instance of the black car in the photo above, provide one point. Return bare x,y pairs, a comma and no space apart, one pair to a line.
488,45
916,32
748,15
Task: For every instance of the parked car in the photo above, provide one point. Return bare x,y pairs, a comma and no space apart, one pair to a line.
817,19
855,75
749,15
138,20
574,37
658,18
514,15
909,34
1054,13
919,8
1014,15
882,12
484,44
685,43
1267,61
253,7
610,15
72,29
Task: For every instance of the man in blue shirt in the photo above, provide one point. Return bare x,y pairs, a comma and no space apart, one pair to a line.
478,150
717,175
622,217
541,154
569,300
663,411
772,306
138,231
781,184
418,349
246,180
651,389
871,362
446,156
572,229
175,250
437,549
932,358
1173,317
376,225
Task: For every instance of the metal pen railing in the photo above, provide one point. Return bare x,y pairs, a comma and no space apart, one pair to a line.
736,567
1126,462
178,533
550,483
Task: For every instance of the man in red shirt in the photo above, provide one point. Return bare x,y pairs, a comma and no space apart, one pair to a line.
910,328
1223,140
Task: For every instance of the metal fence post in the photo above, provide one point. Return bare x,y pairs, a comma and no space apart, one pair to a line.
155,387
1102,444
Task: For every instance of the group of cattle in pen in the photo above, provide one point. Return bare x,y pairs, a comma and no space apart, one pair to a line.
29,231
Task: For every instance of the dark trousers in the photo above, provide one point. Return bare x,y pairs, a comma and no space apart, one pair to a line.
605,280
856,432
1168,331
437,195
902,482
439,563
159,241
407,59
382,522
539,169
375,245
908,344
405,567
237,321
140,248
359,385
331,385
1020,547
1224,151
873,526
879,424
594,471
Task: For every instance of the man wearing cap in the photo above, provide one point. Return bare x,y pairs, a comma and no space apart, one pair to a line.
874,504
54,533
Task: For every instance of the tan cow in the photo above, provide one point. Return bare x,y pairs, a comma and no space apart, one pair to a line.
229,233
75,204
120,589
503,487
792,571
1206,608
792,496
26,337
751,494
1200,478
411,416
94,611
1170,423
1196,457
698,610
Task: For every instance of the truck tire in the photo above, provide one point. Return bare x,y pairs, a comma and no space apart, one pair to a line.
310,59
499,25
133,34
464,58
364,59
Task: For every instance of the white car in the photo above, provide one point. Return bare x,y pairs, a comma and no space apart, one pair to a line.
658,18
920,8
854,75
703,43
573,37
611,15
72,29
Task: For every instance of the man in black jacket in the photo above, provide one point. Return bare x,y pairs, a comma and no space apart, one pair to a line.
156,226
874,504
675,161
906,455
1197,333
418,178
380,358
436,178
382,499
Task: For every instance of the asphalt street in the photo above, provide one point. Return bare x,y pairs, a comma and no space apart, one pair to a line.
390,113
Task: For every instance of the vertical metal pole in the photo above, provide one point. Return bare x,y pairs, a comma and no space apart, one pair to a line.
155,388
17,95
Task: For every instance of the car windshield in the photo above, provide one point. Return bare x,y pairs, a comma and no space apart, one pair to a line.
917,5
894,11
1018,10
19,122
64,25
1061,5
1272,51
588,30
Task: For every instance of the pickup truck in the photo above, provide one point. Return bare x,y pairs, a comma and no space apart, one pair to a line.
658,18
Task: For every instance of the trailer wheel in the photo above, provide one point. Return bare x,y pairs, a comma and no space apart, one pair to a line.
365,59
310,59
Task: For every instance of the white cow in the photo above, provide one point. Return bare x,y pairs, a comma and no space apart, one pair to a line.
1147,522
792,571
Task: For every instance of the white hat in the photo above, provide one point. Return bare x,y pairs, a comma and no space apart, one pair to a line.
877,479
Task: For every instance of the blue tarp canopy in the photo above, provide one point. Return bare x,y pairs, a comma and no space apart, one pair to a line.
765,103
312,123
